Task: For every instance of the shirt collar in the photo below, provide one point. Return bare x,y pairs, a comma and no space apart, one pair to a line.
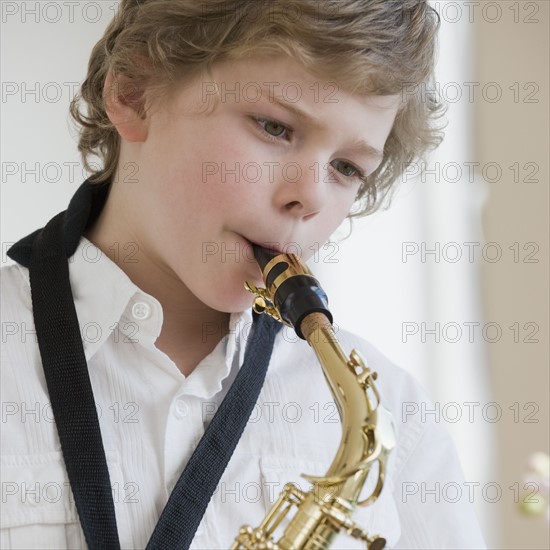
102,292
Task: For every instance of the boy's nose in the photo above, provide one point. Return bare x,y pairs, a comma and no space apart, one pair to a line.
304,195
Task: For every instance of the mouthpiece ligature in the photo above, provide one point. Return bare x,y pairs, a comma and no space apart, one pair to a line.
291,293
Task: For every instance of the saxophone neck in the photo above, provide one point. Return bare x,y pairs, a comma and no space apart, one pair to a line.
317,321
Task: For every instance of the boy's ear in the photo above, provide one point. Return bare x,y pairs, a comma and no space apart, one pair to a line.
122,103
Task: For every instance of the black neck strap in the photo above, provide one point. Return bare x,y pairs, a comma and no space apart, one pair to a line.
73,403
69,386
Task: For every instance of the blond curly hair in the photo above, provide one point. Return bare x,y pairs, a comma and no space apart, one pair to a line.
380,47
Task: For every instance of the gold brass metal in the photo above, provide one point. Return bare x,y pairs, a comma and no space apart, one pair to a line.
368,436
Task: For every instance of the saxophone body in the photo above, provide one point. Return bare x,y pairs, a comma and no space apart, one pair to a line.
294,297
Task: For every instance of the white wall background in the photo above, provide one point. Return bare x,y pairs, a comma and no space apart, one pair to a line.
374,290
45,47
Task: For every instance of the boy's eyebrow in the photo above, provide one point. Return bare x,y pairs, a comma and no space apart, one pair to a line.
358,145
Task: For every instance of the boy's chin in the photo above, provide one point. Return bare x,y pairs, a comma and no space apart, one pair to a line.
235,301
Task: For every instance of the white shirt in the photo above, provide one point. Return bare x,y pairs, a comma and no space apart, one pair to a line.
152,417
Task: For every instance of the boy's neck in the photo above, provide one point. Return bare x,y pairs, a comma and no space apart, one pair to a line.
183,337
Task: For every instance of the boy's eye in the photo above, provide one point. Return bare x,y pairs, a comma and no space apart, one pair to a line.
349,169
274,130
271,127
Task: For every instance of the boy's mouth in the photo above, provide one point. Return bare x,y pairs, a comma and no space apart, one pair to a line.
269,247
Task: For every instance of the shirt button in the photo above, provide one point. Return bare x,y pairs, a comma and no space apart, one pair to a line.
181,409
141,311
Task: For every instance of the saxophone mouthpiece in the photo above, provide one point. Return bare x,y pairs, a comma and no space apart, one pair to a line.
291,287
263,255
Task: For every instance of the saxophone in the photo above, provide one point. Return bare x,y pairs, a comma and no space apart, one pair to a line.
294,297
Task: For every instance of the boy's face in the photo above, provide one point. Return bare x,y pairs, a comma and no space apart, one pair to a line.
209,184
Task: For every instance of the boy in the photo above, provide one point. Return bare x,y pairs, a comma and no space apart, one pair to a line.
220,125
